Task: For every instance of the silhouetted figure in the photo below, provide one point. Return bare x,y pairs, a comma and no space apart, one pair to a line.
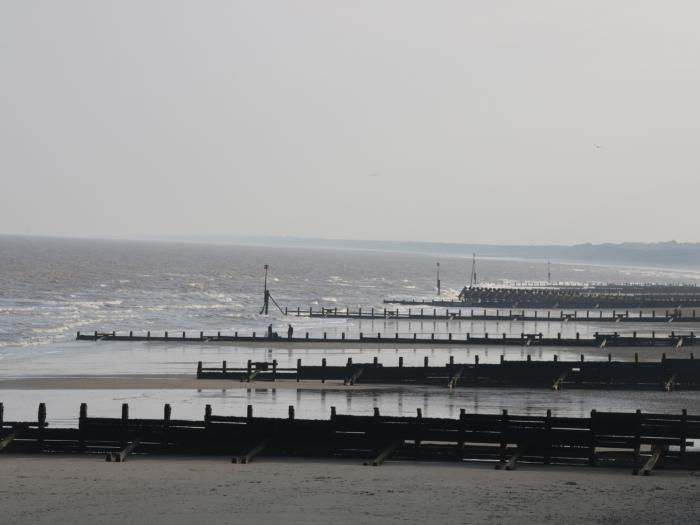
269,331
290,331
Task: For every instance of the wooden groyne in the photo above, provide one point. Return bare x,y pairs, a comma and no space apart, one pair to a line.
420,314
558,298
668,374
599,340
634,440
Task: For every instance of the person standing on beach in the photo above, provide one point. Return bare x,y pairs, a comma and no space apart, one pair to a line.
290,331
269,332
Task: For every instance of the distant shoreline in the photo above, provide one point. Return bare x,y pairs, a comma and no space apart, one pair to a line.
669,256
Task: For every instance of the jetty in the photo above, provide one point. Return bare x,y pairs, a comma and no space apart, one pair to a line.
571,297
420,314
599,339
639,441
664,375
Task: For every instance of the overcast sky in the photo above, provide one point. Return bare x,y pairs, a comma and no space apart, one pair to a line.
490,121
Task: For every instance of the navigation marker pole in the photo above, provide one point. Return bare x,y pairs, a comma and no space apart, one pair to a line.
267,297
472,277
438,278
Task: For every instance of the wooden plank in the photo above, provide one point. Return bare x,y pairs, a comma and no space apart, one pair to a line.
558,381
384,454
120,457
9,438
352,379
455,378
510,465
247,458
649,465
668,384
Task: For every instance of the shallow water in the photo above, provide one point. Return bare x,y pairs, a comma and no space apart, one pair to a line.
63,405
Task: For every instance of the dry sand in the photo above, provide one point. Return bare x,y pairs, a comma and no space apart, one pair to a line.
67,490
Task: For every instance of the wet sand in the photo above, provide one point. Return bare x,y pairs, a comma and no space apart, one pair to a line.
167,382
66,490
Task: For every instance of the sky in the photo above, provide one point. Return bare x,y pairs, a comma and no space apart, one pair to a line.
525,122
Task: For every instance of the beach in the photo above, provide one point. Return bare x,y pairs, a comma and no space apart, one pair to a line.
41,362
181,490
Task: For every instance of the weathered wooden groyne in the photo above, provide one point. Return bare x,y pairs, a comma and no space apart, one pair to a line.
635,440
420,314
559,298
599,340
667,374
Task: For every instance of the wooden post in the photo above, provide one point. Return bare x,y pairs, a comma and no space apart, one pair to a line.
504,438
548,437
249,412
592,439
400,362
298,368
291,412
637,440
683,434
425,361
125,424
323,370
81,426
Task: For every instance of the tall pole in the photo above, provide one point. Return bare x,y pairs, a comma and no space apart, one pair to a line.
438,278
266,299
472,277
549,272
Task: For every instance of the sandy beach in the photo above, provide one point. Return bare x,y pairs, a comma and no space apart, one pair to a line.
177,490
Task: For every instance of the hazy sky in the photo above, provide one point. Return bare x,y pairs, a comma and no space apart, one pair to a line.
468,121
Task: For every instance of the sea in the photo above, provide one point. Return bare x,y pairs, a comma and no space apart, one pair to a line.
51,288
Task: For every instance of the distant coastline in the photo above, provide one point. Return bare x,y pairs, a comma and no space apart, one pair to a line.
670,253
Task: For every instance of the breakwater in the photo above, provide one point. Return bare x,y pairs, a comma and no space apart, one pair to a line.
667,374
633,440
599,340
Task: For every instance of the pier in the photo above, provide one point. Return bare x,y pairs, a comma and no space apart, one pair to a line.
638,441
582,298
665,375
599,340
